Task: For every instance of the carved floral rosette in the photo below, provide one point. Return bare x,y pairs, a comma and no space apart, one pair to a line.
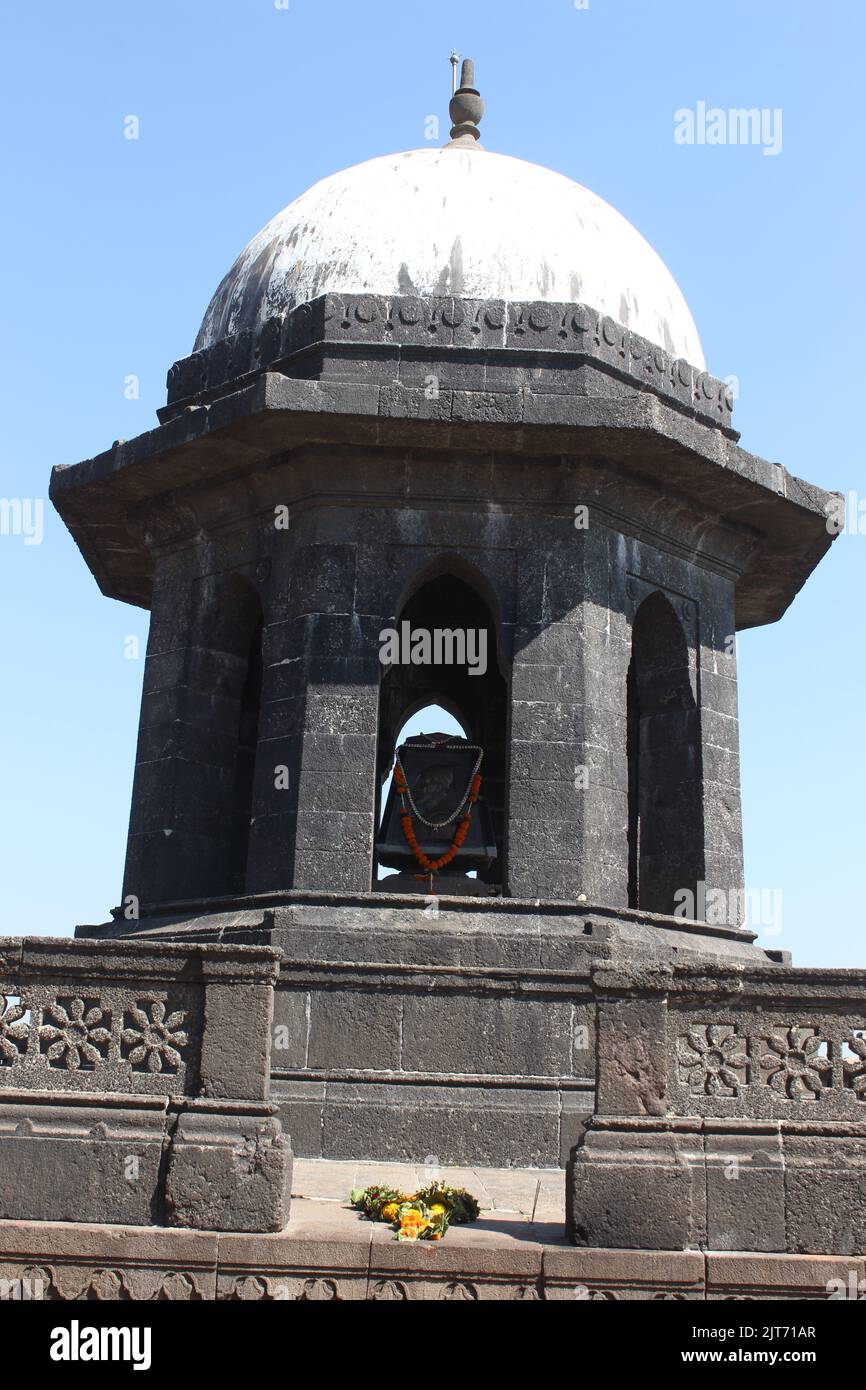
767,1064
85,1035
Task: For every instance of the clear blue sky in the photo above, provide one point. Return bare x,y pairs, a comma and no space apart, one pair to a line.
111,249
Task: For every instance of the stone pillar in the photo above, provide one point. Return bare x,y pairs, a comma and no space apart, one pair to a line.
316,768
164,858
720,744
545,801
606,652
568,789
183,802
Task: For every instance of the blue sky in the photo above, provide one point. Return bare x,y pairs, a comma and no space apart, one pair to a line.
112,247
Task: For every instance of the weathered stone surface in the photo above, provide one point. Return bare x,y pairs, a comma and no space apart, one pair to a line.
631,1046
353,1030
321,1263
228,1172
468,1266
470,1000
70,1260
639,1185
621,1275
825,1189
236,1044
489,1036
507,1125
138,1016
327,1254
81,1158
746,1179
772,1277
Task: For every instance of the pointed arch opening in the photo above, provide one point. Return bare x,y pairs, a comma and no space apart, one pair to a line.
459,672
665,793
431,718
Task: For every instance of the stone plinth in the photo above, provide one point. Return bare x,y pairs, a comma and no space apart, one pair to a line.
464,1028
326,1254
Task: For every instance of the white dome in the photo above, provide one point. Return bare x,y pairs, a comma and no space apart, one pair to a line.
455,221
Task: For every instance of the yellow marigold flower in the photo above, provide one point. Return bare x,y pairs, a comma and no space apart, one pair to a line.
389,1211
438,1209
412,1223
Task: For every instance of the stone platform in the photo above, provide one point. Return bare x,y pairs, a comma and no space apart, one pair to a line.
516,1250
406,1026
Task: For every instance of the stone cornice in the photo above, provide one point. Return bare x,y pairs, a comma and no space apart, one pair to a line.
267,418
380,332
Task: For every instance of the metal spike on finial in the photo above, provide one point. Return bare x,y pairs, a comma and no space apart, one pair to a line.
465,108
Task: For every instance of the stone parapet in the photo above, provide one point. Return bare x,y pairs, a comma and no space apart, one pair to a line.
135,1085
730,1111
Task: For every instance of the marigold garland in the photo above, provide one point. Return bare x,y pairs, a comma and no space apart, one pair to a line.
422,1215
432,866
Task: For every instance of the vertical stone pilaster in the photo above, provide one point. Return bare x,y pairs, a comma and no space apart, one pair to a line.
605,656
180,758
569,777
545,800
720,740
319,722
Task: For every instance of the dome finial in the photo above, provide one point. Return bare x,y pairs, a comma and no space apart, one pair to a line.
465,108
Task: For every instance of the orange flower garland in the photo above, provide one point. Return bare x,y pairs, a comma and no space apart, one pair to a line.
433,866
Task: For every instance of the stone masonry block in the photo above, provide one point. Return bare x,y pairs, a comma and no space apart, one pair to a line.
228,1172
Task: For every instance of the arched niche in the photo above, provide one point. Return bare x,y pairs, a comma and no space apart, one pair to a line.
665,792
450,595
